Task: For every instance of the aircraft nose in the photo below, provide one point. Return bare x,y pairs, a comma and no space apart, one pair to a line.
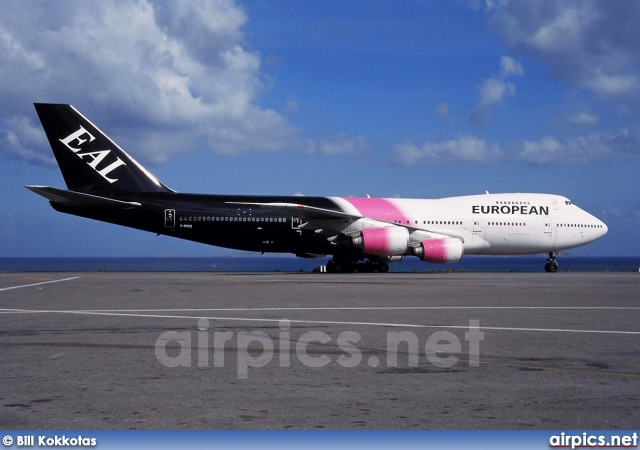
603,227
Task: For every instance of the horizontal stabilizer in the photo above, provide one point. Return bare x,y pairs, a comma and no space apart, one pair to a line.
72,198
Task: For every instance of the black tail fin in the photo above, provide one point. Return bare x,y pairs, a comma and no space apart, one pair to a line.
88,159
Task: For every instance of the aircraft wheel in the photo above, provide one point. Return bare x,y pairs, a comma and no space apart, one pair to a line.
341,266
552,265
383,268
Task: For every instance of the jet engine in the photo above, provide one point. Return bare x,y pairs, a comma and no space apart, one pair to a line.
387,241
446,250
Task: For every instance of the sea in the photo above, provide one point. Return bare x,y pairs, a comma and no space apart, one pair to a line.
292,264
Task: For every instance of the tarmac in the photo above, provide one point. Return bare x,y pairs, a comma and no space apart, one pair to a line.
319,351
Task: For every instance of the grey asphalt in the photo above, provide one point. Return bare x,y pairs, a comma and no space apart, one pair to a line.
555,351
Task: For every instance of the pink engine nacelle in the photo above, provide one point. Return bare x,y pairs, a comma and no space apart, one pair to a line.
447,250
387,241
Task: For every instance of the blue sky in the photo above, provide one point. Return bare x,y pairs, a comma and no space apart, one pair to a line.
412,99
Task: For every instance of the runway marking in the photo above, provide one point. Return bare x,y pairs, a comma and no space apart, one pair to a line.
37,284
316,322
367,308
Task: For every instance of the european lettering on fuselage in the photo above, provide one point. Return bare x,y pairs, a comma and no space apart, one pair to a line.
96,156
510,209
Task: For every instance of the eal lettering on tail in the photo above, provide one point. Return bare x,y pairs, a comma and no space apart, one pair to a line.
96,156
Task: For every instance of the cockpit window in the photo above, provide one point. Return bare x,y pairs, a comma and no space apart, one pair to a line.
568,202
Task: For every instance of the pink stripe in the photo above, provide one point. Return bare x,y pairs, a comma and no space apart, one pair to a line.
376,241
442,250
435,250
385,241
377,208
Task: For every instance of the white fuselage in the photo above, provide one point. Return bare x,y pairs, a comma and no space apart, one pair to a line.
496,224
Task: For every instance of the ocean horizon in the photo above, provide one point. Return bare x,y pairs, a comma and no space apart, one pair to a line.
472,263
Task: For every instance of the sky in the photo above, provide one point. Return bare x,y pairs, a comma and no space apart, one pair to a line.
418,99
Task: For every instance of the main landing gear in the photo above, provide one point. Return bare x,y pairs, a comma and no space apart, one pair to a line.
552,265
351,266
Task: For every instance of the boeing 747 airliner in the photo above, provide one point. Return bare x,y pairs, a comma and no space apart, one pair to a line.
361,234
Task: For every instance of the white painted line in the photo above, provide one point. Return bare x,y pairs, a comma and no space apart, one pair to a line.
370,308
37,284
322,322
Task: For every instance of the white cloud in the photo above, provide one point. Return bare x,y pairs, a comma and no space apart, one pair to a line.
339,144
579,149
509,66
544,151
582,119
23,140
495,90
588,42
614,213
464,148
610,85
168,76
619,215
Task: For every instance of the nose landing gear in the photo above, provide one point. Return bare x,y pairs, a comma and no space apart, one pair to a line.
552,265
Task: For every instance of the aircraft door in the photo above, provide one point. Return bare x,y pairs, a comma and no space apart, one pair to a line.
477,235
169,218
297,224
548,229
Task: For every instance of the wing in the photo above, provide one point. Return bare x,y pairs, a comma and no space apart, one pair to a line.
302,211
321,218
